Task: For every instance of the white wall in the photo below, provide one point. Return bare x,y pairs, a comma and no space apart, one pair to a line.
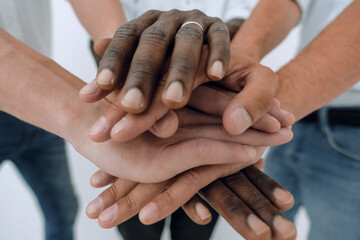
20,217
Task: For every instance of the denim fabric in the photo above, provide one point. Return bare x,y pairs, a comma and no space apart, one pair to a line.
321,167
41,159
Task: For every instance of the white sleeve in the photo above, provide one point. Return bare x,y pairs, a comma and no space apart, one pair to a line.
304,6
239,9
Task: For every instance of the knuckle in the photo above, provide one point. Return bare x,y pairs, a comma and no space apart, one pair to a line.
173,12
219,29
216,20
184,63
131,202
231,203
203,147
169,197
192,178
257,201
152,12
156,35
111,54
142,67
189,32
112,192
127,30
196,13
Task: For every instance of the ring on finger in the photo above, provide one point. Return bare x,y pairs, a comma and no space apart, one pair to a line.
193,22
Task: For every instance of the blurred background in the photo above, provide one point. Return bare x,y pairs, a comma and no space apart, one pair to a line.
20,216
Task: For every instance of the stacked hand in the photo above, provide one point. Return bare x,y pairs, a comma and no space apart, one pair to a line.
166,46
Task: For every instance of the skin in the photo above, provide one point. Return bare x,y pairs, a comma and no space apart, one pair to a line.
327,67
51,103
264,72
291,90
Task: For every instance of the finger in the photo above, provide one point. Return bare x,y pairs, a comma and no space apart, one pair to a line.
101,45
132,125
252,102
267,123
101,179
260,164
250,137
91,92
130,204
242,187
190,117
197,210
166,126
184,61
182,190
115,63
284,117
211,99
101,129
148,61
116,191
218,38
278,195
235,211
198,152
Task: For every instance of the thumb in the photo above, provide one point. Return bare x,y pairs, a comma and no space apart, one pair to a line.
252,102
101,45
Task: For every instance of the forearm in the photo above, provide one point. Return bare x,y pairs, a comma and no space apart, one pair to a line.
267,26
100,18
325,69
37,90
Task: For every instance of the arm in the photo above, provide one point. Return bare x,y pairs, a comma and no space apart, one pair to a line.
46,96
267,26
326,68
99,18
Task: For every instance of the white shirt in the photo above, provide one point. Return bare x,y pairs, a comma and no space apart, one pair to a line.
29,21
224,9
316,15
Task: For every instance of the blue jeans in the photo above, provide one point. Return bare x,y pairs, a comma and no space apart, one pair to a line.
321,168
41,159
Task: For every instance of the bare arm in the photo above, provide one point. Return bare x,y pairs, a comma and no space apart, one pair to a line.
100,18
36,89
326,68
268,25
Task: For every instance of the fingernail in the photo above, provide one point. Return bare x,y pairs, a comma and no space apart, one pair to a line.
175,92
121,125
97,178
240,120
258,226
202,211
109,214
105,77
284,227
161,125
134,98
98,127
95,206
148,213
250,150
89,89
216,70
283,197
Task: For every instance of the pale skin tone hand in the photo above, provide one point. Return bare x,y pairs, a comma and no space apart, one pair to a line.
327,67
47,97
118,125
230,196
124,199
